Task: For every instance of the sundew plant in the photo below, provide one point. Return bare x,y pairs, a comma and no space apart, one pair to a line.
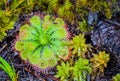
43,42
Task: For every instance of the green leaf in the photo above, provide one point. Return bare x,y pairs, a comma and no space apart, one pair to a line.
8,69
36,22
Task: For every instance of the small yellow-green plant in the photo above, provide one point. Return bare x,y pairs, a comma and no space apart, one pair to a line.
116,78
104,6
9,13
66,11
63,9
7,17
99,61
64,71
78,45
81,69
83,26
43,42
8,69
53,8
79,9
75,72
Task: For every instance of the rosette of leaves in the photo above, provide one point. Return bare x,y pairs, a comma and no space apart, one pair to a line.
99,62
78,45
75,72
43,41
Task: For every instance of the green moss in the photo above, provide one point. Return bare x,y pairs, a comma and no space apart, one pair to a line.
103,6
78,45
81,69
83,26
76,72
79,9
100,61
63,9
6,23
43,42
66,11
116,78
64,71
9,13
53,8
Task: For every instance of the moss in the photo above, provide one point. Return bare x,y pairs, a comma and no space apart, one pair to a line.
84,6
98,63
116,78
66,11
83,26
76,72
63,71
9,13
78,45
